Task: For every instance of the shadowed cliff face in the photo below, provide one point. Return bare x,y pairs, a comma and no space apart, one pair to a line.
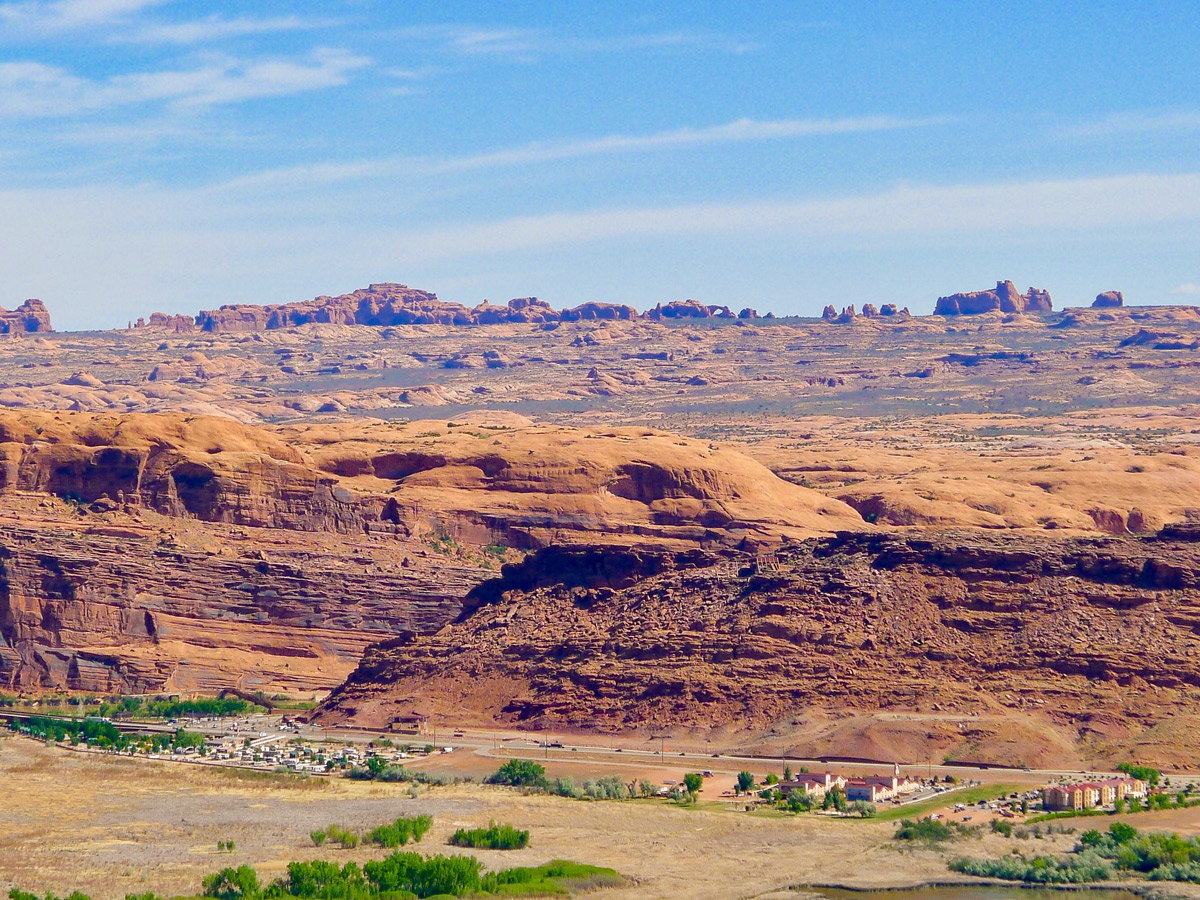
1095,638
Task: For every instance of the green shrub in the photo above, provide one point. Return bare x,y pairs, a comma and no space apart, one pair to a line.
455,875
923,830
323,880
231,883
401,831
1075,869
520,773
494,837
318,837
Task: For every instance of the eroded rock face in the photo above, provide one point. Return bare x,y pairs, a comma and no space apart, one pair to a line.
1108,300
115,603
31,316
148,577
1004,298
1072,629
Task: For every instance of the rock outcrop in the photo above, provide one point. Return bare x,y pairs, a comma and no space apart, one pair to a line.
389,305
155,552
1108,300
31,316
1078,631
1004,298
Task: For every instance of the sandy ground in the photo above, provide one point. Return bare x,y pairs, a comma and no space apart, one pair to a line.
111,826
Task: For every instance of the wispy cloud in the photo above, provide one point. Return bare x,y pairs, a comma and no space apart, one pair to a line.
50,16
738,131
214,28
528,44
913,210
1187,289
1137,122
37,90
741,130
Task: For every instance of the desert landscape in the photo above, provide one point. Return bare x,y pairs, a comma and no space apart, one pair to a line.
692,523
736,452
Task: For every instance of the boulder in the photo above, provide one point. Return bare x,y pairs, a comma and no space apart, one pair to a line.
1108,300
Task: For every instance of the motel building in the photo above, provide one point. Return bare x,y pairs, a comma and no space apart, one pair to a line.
1091,794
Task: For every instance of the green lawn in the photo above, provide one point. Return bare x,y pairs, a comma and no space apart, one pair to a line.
966,795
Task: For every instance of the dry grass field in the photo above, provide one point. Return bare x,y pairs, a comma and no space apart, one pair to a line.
112,826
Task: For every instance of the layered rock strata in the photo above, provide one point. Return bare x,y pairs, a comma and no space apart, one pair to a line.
1094,635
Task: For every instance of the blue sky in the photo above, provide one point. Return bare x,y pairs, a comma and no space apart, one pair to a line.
159,155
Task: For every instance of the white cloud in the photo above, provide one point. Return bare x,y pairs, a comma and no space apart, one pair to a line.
912,210
48,16
214,28
36,90
531,154
1187,289
101,254
731,132
1137,122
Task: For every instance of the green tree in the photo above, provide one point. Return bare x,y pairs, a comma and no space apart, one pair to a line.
787,773
693,781
232,884
519,773
745,781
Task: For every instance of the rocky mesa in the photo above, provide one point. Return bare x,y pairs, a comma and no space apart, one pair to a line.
1091,640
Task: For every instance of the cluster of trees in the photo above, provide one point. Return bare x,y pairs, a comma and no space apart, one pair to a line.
494,837
94,732
379,769
1143,773
118,707
520,773
396,877
531,776
1098,856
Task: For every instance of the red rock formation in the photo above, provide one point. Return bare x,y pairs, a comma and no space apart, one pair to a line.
31,316
1004,298
1108,300
687,309
397,304
1081,630
177,323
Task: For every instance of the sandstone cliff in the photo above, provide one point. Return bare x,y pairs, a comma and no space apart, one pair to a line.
156,552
